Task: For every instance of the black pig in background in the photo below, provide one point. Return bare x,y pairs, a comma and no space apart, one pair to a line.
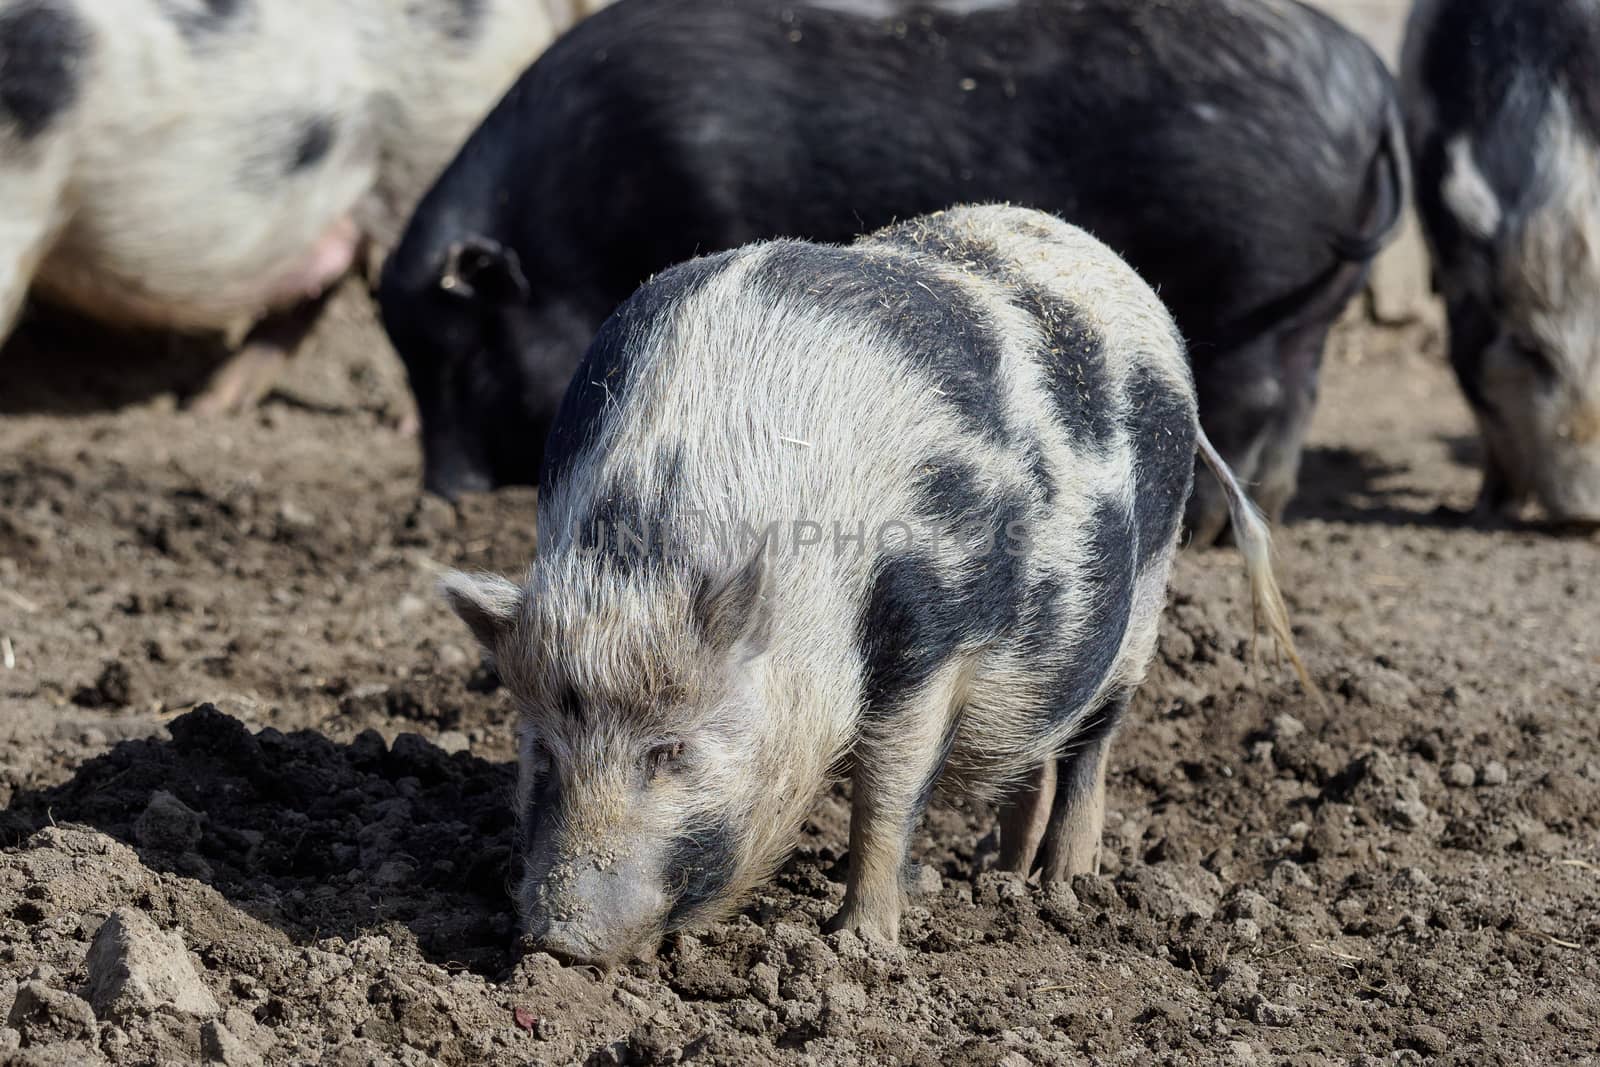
1246,156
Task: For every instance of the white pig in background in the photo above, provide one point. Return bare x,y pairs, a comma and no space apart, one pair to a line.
218,165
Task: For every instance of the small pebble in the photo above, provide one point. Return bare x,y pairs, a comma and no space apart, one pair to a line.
1459,775
1429,1040
453,741
1286,726
1493,773
1267,1013
1410,814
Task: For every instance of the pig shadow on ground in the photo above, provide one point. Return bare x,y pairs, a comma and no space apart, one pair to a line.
1354,486
316,838
63,364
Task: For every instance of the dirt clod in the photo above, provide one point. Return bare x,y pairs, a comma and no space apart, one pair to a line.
1493,773
41,1014
168,825
219,1045
112,688
1429,1040
136,968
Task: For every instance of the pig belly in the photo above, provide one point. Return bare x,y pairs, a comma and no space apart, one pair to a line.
190,290
323,264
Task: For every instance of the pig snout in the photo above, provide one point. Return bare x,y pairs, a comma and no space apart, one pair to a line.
1570,489
603,914
566,941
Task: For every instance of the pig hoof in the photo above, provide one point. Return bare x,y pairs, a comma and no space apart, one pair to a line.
1492,517
884,929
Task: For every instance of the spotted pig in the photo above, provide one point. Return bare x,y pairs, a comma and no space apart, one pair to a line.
1503,111
906,506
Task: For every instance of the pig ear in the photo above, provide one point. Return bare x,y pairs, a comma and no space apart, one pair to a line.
738,608
480,269
487,603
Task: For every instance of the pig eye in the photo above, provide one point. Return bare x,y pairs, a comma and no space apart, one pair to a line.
663,759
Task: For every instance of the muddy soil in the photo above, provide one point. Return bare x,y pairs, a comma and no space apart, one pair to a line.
230,704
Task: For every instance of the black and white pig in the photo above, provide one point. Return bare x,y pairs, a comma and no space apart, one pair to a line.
201,164
1246,156
907,505
1503,110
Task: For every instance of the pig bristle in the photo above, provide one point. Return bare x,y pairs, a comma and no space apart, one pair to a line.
1254,540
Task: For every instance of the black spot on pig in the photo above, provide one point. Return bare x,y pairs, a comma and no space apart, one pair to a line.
628,523
950,493
42,48
198,19
570,704
910,625
1076,672
915,618
931,322
621,530
1074,367
936,237
1073,360
667,474
987,526
601,380
699,867
313,143
1163,422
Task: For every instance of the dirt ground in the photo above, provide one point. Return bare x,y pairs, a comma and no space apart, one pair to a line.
230,703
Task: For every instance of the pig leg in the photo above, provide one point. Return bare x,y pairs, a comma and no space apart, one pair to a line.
14,278
247,376
895,770
1024,818
244,379
30,220
1072,839
1277,476
1497,498
1077,817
